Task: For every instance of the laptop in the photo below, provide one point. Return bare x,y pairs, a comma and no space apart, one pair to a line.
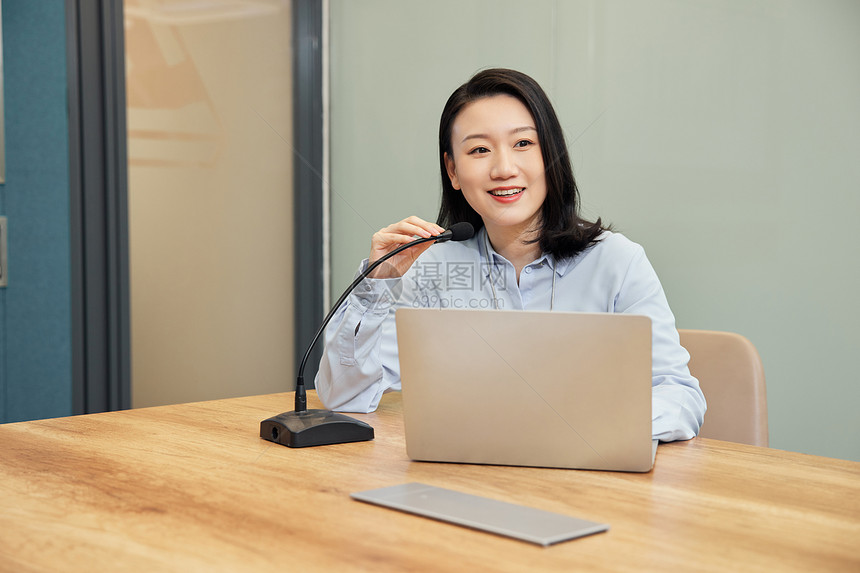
527,388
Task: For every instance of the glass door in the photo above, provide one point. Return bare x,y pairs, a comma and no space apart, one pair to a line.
209,99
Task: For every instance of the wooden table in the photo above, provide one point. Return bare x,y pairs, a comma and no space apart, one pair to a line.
193,488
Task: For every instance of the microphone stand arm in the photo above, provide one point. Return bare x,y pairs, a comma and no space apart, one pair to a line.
302,427
301,395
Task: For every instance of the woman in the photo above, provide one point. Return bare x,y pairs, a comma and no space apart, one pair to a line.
505,169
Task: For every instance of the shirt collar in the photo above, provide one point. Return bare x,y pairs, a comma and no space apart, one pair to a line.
484,246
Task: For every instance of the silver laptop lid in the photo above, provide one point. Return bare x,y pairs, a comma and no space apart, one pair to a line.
548,389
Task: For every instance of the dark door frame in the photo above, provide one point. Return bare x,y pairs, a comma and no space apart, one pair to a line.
98,183
308,179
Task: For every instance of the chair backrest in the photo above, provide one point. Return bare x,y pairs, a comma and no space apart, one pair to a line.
731,376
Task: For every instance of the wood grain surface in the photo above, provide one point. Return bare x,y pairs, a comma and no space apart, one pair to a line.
192,487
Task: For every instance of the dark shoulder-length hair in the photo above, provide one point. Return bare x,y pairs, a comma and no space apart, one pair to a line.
562,232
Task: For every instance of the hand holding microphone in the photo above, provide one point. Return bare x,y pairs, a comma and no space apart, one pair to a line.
385,241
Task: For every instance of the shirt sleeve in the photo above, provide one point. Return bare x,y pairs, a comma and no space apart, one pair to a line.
677,403
359,362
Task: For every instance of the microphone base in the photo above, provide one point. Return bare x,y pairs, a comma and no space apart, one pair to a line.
314,428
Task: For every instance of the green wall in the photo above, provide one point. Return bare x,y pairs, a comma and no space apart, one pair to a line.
721,136
35,309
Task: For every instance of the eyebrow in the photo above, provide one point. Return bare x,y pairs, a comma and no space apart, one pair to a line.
513,131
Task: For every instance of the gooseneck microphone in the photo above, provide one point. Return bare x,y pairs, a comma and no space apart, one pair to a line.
302,427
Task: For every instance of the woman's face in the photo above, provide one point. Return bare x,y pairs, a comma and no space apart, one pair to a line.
497,163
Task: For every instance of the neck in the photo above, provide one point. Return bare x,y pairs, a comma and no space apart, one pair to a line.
511,244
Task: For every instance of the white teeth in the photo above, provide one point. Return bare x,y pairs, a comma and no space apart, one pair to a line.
506,192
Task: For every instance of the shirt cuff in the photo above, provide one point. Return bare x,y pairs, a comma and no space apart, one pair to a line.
375,295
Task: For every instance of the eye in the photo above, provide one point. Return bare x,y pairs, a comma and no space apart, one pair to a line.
524,143
479,150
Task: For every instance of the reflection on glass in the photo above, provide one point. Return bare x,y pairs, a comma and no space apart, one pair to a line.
172,119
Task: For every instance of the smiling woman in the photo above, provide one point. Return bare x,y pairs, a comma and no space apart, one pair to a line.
504,169
500,172
537,141
688,129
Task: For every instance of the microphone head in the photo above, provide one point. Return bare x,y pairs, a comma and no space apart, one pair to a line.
457,232
462,231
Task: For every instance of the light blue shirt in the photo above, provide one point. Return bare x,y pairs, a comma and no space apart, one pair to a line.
360,360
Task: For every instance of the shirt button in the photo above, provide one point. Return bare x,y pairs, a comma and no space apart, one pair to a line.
528,270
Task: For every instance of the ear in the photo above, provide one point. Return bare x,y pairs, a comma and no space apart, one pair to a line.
452,171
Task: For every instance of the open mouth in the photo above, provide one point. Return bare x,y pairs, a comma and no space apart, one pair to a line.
507,192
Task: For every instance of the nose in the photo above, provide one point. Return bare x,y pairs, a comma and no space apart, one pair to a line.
504,165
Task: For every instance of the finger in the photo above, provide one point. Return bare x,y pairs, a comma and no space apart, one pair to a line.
410,229
400,233
419,226
382,239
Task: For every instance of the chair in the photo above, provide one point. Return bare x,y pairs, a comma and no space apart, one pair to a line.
731,376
